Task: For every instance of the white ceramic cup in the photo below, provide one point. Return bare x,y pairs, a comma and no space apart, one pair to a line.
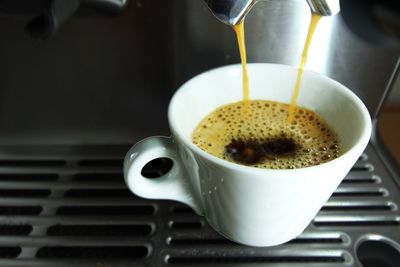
252,206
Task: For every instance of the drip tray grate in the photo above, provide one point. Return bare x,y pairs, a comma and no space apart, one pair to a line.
69,206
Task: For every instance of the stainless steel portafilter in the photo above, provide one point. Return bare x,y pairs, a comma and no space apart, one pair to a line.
232,12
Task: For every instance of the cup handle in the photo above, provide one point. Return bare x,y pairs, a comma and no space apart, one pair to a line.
173,185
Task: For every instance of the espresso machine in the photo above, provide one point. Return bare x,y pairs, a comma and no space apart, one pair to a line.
81,81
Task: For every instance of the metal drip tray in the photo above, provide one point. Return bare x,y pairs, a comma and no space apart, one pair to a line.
68,206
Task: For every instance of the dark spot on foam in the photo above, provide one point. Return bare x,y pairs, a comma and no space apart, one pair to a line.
245,152
280,146
249,152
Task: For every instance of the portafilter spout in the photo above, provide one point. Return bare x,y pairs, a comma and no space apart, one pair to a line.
324,7
231,12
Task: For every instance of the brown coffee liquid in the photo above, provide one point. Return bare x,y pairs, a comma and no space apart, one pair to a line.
239,29
264,139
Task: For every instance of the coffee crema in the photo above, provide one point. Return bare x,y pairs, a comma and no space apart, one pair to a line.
264,139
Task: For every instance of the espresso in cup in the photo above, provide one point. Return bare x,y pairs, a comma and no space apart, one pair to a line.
258,134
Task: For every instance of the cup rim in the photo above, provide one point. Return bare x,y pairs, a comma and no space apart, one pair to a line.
360,144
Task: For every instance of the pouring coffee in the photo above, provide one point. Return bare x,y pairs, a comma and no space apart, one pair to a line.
233,13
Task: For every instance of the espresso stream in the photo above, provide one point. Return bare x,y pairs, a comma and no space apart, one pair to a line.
313,24
239,29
